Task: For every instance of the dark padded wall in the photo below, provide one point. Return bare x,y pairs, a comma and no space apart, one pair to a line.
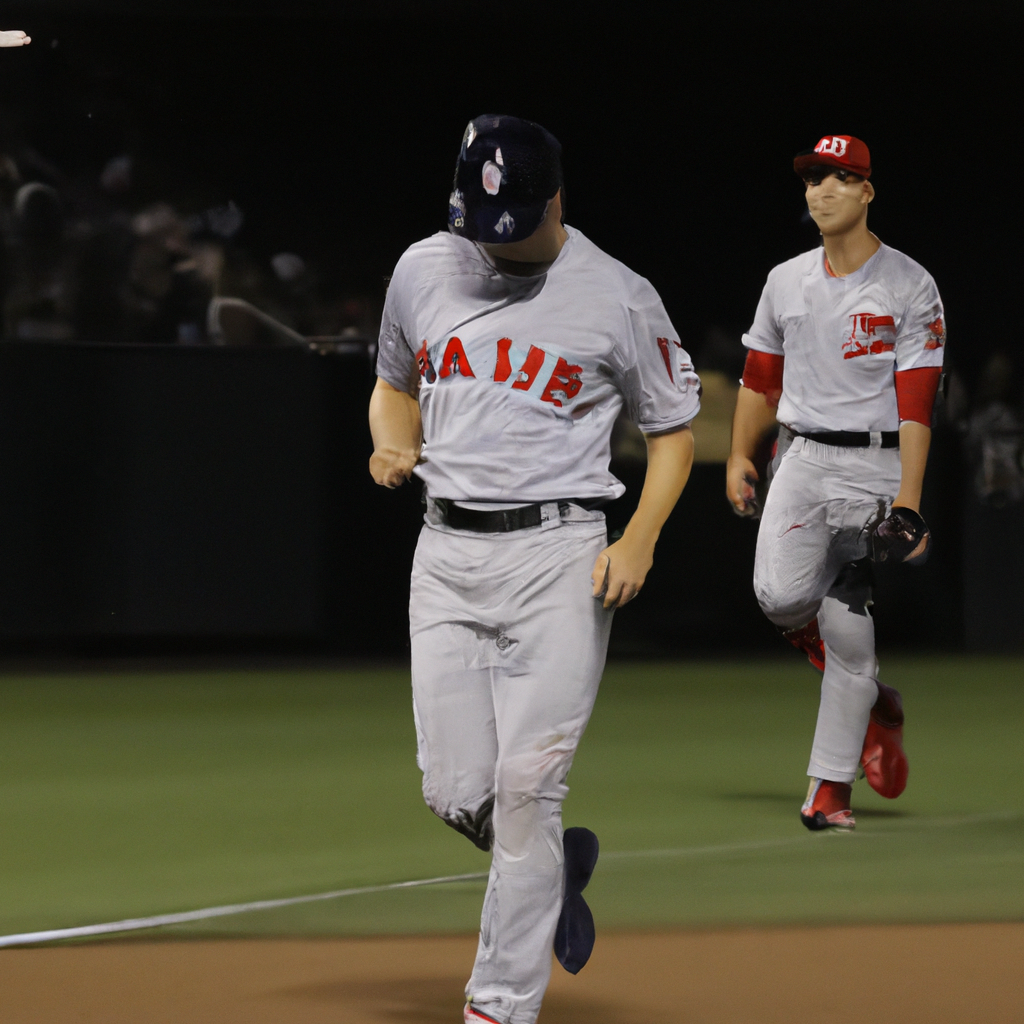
175,498
189,494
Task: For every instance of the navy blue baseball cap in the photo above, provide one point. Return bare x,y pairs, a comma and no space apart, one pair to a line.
507,172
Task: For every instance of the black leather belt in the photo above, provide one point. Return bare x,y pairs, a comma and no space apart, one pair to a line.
499,520
855,438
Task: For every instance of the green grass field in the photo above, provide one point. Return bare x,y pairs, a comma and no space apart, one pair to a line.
132,795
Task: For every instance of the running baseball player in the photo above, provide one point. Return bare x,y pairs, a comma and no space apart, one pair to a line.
846,351
508,346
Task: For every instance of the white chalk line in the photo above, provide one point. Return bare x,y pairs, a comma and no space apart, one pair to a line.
765,844
161,920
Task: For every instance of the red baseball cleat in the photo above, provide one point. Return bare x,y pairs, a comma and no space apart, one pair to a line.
883,759
828,806
807,639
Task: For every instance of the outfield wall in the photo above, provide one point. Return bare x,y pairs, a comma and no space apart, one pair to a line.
187,499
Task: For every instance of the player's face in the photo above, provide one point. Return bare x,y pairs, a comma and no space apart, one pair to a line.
837,200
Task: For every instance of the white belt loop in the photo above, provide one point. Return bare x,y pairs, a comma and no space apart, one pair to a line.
876,439
550,517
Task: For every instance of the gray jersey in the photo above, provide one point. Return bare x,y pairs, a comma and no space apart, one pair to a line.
520,379
844,336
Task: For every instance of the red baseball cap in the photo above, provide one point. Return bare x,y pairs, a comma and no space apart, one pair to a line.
836,151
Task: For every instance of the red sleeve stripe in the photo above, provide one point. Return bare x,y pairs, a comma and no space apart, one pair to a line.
915,393
763,373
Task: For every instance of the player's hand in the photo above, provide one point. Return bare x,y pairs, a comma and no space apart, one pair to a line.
901,537
620,571
14,38
740,477
391,467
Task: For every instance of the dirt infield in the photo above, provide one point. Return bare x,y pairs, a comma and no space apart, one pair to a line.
911,974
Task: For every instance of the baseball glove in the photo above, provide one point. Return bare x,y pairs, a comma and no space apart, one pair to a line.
896,536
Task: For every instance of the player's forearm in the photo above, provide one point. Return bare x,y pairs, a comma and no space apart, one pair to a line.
394,419
753,418
915,440
397,435
669,459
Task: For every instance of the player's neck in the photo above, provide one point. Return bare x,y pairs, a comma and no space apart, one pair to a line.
850,250
532,256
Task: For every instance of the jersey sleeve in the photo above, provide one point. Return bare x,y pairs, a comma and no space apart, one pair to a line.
662,388
396,359
922,337
765,334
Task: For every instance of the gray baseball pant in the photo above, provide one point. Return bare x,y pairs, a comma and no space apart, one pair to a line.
508,647
823,502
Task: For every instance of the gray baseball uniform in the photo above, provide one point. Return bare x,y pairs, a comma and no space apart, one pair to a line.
519,381
842,339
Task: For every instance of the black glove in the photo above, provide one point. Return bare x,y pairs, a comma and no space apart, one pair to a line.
898,535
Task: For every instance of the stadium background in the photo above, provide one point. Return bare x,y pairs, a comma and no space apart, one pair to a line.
202,598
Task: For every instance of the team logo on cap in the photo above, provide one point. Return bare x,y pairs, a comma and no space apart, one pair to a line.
832,145
493,175
506,224
457,209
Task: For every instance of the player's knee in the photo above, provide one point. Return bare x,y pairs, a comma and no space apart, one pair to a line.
853,658
528,810
532,778
786,604
473,819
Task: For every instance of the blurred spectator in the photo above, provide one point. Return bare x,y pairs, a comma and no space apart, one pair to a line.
40,295
80,259
719,362
170,283
995,435
721,351
116,176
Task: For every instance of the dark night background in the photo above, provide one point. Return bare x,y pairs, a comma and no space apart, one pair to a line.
339,132
335,127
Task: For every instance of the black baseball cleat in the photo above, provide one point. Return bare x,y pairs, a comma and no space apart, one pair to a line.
574,936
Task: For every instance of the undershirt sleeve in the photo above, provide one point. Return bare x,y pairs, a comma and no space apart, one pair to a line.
915,393
763,373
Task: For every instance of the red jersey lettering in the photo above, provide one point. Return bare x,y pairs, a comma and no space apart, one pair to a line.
424,365
564,385
530,368
502,367
455,361
663,344
868,326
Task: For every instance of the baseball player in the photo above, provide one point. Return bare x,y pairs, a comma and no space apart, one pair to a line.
846,351
508,346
